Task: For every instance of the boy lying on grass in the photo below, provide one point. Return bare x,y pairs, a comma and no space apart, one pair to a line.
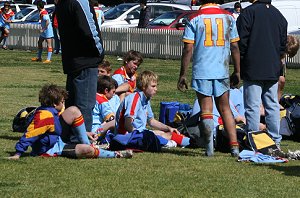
56,132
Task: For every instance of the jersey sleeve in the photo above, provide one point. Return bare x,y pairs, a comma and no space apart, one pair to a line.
119,78
42,122
189,33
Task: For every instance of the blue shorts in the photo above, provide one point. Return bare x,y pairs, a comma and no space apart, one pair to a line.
57,148
211,87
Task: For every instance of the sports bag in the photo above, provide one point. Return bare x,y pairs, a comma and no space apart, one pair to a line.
22,119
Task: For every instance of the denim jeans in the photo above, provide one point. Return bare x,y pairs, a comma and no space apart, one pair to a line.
82,88
265,92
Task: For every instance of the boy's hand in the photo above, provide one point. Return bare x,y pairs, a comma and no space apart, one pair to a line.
182,84
14,157
92,136
235,79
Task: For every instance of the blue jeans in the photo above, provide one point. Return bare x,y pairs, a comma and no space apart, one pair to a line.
265,92
82,89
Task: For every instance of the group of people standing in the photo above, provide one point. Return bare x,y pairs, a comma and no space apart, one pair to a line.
210,36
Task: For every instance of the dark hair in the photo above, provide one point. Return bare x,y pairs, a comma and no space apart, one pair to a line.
6,3
51,94
143,2
40,4
132,55
237,5
106,82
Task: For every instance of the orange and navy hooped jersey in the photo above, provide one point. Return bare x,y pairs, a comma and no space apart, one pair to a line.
102,110
211,30
42,133
136,106
121,77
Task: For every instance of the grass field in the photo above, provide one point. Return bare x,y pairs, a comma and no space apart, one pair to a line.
176,173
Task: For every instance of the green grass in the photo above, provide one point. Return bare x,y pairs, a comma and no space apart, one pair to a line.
176,173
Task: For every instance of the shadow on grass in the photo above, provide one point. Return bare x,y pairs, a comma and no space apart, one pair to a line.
287,170
184,152
6,137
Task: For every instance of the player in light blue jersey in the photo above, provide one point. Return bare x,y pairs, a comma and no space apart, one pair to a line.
103,113
210,35
46,34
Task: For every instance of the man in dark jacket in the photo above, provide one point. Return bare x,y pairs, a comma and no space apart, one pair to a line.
82,51
145,14
263,34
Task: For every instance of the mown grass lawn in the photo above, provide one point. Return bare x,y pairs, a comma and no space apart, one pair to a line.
176,173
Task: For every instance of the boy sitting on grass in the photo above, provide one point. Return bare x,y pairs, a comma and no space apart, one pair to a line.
50,130
126,75
135,112
103,113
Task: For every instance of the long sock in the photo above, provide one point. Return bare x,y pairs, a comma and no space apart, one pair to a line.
206,127
180,139
4,41
49,54
102,153
40,51
79,130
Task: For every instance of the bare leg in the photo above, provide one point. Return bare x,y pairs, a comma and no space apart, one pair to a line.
223,107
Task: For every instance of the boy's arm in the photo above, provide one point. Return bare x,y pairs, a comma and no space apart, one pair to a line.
36,128
160,126
235,54
185,61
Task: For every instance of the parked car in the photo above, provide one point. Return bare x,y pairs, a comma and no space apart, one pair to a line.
175,20
290,9
16,7
23,14
34,16
127,14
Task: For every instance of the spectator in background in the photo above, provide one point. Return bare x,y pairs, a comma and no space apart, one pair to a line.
46,34
99,14
237,10
6,17
145,14
82,52
55,31
263,32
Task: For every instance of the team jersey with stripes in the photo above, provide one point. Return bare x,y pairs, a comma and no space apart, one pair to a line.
136,106
211,30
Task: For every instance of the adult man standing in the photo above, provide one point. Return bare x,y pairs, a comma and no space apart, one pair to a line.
263,32
82,51
210,35
144,14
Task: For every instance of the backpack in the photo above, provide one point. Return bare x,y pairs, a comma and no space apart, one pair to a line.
222,140
169,110
22,119
293,120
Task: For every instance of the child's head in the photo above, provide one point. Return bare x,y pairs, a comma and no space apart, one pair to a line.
51,96
147,82
292,46
237,7
40,5
107,86
104,68
132,60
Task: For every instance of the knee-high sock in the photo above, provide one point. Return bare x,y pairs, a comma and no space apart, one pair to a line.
180,139
4,41
101,153
39,54
79,130
49,54
206,127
